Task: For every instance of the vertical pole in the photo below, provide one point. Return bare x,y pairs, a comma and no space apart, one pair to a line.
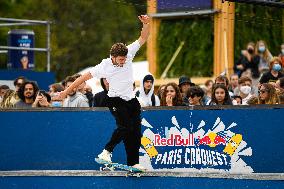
48,46
224,37
152,49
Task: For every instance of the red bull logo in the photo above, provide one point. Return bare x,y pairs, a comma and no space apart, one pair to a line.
174,140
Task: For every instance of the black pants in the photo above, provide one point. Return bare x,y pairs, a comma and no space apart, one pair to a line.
128,120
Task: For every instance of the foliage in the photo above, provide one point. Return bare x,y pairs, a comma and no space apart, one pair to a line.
196,56
82,31
254,22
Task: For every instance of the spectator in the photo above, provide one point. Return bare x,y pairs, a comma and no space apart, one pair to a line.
208,91
171,96
27,94
160,91
100,99
195,95
184,84
245,88
81,89
55,88
14,98
263,56
274,72
234,83
75,98
238,99
6,99
3,90
223,80
245,61
267,94
43,99
220,95
87,91
145,94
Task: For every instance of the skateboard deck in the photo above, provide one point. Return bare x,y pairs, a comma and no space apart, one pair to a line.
112,166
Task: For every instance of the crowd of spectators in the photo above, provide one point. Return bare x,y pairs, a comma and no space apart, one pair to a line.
258,79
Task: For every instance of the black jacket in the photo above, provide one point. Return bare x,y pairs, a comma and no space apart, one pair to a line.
100,99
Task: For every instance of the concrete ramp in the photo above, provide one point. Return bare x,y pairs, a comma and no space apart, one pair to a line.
88,179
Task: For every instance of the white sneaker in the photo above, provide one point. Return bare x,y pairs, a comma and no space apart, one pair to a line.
138,166
105,155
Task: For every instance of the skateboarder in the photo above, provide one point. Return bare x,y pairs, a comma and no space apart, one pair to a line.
121,98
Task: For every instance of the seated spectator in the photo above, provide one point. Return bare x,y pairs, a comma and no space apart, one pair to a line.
3,90
220,95
43,99
81,89
100,99
145,94
75,98
172,96
245,88
267,94
87,91
223,80
6,99
274,72
234,83
195,95
262,57
208,91
245,59
184,84
238,99
27,94
55,88
14,98
160,91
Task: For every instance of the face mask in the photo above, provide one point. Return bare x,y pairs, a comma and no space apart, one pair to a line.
245,89
261,49
276,67
250,51
56,104
282,50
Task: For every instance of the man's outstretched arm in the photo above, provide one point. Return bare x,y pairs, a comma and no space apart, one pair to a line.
75,84
145,32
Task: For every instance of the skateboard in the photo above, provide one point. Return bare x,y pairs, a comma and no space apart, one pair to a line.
111,166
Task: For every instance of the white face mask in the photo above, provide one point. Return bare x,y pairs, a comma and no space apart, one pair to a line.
245,89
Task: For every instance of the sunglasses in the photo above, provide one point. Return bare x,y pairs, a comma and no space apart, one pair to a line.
191,96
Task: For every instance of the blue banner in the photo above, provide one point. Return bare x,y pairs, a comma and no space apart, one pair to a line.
236,140
182,5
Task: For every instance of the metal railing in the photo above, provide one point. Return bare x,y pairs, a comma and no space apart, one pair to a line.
23,22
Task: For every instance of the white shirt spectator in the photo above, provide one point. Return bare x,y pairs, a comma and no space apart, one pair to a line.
120,79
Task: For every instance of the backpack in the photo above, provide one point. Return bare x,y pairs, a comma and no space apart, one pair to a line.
152,98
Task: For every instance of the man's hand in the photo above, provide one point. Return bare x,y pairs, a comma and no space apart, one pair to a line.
145,32
145,19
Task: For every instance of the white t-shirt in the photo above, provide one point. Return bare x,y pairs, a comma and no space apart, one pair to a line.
120,79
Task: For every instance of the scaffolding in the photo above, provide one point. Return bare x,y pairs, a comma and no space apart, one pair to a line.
7,22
